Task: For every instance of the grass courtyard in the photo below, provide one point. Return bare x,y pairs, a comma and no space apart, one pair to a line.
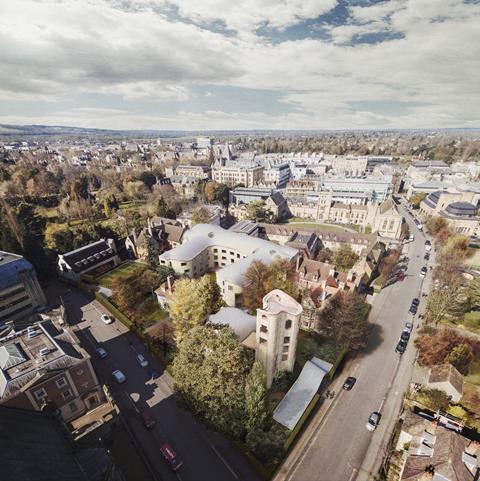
306,224
124,270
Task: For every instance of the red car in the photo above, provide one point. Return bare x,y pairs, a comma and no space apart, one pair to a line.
171,457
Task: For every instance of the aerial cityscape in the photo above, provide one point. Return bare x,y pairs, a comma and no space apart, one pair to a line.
240,241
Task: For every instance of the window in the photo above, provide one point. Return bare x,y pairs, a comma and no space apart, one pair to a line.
183,264
66,394
288,324
262,340
40,394
224,251
230,288
285,349
238,256
284,357
286,339
61,382
263,328
73,407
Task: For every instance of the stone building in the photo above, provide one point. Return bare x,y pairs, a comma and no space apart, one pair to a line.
278,322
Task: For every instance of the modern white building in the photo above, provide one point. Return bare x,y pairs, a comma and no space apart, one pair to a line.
207,248
278,323
380,187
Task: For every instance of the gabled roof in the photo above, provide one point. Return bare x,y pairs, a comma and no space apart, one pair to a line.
89,255
277,198
446,373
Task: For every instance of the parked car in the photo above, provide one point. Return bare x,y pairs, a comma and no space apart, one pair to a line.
428,246
413,309
170,457
373,421
405,335
401,346
101,352
106,319
142,361
415,301
148,420
423,271
349,383
403,268
426,257
119,376
408,326
411,237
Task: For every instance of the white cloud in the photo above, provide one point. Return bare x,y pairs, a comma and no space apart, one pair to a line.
63,49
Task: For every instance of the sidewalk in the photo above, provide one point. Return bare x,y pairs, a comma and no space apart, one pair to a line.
314,424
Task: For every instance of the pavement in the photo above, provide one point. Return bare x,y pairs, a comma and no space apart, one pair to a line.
336,446
206,455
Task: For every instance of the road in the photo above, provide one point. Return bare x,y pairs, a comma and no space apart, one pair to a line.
206,455
340,447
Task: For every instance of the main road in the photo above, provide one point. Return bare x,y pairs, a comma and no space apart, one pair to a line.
205,454
339,447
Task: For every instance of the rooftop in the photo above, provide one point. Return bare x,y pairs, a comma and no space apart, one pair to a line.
278,301
242,323
89,255
11,265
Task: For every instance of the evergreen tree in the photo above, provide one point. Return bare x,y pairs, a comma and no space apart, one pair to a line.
256,400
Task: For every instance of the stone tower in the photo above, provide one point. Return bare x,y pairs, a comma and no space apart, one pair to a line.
277,331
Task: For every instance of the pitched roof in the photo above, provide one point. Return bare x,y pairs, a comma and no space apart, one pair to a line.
277,198
11,266
446,373
89,255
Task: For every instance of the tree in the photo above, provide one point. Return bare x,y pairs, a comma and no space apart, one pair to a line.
461,357
388,265
163,272
193,301
416,199
110,204
325,255
257,211
210,194
344,321
436,224
148,179
210,371
473,292
256,400
443,301
201,216
345,258
436,348
159,207
433,399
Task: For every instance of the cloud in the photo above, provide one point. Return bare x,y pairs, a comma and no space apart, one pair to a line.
125,56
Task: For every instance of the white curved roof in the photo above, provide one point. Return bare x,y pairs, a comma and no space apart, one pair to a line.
243,324
202,236
278,301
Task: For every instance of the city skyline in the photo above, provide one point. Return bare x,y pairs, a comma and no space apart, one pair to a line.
211,64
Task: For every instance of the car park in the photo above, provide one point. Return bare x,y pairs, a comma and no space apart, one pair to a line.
148,420
373,421
401,346
106,319
170,457
349,383
119,376
101,352
142,361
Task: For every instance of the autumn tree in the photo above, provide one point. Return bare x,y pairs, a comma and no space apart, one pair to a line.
345,258
436,224
201,216
344,321
416,199
388,265
210,372
193,301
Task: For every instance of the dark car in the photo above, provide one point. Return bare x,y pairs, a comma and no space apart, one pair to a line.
349,383
415,301
426,257
401,346
423,271
413,309
148,420
405,335
171,457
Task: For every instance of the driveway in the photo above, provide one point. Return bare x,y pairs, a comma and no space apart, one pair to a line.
206,455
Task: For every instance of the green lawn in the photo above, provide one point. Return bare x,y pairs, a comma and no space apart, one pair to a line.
47,212
470,322
310,345
309,225
126,269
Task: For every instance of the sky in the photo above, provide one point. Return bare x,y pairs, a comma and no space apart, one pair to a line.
240,64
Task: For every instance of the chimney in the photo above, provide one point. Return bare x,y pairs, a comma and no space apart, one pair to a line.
299,259
324,295
169,283
341,285
331,272
149,226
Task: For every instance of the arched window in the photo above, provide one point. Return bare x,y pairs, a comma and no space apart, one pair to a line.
288,324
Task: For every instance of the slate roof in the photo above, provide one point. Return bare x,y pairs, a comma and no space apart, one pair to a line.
277,198
89,255
446,373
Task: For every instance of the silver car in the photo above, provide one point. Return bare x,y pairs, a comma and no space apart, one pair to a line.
373,421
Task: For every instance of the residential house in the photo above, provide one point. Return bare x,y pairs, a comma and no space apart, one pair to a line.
446,378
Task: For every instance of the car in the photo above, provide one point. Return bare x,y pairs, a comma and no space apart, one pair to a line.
413,309
373,421
106,319
420,226
408,327
415,301
119,376
405,335
426,257
101,352
401,346
411,238
142,361
403,268
423,271
401,276
170,457
148,420
349,383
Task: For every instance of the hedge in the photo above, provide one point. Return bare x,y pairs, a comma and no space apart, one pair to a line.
301,422
113,310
